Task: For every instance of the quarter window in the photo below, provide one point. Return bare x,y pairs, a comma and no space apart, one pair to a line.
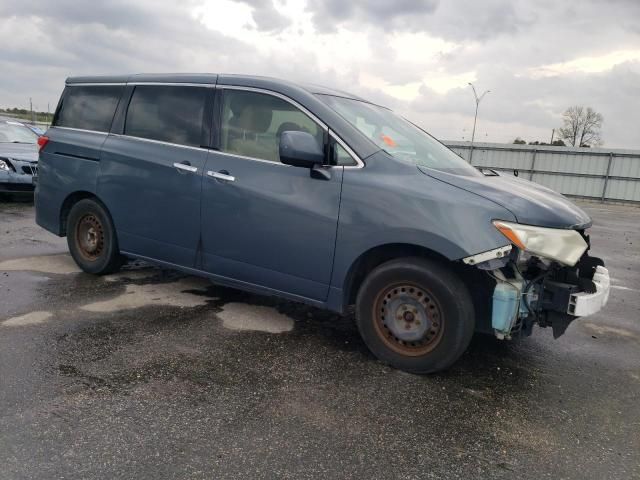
341,157
88,108
252,124
167,113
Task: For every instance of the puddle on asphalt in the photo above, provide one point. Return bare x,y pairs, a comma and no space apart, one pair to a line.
169,294
31,318
185,292
141,274
58,264
241,316
63,264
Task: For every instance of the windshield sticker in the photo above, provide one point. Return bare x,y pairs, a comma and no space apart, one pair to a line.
388,140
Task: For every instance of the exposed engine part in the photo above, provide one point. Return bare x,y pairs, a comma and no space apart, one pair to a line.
508,309
531,290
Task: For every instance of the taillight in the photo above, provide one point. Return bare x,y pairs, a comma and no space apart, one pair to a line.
42,141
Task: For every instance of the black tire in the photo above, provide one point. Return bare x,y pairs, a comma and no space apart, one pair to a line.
92,239
415,314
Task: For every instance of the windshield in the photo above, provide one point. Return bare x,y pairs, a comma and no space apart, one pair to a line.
399,137
15,132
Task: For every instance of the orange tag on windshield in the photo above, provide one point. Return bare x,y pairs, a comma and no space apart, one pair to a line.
388,140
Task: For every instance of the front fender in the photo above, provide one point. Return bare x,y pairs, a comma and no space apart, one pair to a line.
391,202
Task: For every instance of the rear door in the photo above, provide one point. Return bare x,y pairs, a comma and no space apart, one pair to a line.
151,171
71,161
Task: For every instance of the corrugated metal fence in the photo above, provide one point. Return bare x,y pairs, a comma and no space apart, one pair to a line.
597,173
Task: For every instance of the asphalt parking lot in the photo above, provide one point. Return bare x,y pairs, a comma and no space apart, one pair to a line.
153,374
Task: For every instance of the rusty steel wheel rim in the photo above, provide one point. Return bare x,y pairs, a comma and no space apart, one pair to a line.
408,319
90,237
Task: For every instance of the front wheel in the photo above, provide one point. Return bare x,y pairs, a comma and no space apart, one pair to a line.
92,239
415,314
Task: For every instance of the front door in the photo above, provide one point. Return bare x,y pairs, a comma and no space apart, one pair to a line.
263,222
151,175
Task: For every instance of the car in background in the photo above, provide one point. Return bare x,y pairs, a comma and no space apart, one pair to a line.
35,129
18,158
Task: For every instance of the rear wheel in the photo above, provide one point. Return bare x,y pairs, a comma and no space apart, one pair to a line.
91,238
415,315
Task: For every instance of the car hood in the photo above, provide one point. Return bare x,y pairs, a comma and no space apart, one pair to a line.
530,203
27,152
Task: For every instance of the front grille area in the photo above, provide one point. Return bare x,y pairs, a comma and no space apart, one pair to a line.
30,169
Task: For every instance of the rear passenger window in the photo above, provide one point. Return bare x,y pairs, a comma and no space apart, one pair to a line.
88,108
166,113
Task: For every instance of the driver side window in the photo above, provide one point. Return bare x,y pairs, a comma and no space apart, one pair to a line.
252,124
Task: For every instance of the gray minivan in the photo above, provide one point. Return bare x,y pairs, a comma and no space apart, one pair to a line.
317,196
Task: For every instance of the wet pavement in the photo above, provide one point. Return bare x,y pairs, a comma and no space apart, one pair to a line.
152,374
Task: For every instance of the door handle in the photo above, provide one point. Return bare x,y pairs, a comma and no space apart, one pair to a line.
222,175
186,167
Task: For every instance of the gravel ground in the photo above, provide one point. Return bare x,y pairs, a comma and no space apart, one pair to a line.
152,374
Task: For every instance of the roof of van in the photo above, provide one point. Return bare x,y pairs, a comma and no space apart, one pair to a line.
305,94
208,78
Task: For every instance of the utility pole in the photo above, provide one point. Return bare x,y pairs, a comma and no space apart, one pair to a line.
553,131
31,110
475,118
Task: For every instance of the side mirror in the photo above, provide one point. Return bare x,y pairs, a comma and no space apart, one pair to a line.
300,149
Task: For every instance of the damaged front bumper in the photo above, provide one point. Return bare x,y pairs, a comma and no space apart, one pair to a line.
568,294
582,304
531,290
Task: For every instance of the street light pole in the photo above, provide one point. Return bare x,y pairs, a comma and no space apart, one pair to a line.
475,118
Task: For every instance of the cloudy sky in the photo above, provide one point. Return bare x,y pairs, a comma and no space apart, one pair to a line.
536,56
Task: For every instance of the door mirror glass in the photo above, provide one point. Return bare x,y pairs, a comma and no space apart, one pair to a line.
300,149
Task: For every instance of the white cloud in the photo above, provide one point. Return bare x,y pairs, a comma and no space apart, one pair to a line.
441,82
587,64
227,17
416,56
338,50
419,47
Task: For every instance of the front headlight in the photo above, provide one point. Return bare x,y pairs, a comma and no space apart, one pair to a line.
563,246
5,165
